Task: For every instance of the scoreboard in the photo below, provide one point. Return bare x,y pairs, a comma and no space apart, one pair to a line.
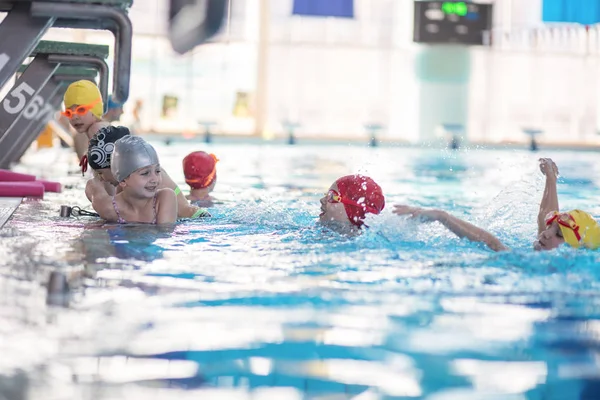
459,22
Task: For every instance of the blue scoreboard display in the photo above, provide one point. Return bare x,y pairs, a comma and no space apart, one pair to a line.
457,22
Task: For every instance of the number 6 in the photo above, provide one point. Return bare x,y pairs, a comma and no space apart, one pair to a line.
34,107
46,112
18,93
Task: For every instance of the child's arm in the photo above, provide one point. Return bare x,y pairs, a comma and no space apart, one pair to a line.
549,201
80,141
185,209
456,225
108,187
166,206
101,200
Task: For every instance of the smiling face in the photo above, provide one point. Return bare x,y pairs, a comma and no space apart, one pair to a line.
332,213
549,239
143,182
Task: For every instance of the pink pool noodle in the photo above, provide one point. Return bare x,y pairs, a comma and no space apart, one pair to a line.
22,189
50,186
10,176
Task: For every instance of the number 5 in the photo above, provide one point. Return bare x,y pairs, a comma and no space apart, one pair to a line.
18,93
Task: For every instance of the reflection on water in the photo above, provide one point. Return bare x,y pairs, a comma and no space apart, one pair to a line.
122,243
260,302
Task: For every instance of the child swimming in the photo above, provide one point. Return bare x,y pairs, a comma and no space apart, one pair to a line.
200,171
84,109
135,166
348,201
576,228
99,155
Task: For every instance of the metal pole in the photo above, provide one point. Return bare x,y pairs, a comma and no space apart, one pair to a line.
96,62
262,80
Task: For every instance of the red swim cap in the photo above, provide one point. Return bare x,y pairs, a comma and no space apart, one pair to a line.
200,169
364,191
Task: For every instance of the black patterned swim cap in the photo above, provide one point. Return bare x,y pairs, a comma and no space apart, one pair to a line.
102,145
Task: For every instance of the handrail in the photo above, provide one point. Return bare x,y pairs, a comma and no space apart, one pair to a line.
99,63
123,36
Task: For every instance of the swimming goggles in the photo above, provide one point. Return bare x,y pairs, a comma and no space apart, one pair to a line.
80,110
335,197
565,220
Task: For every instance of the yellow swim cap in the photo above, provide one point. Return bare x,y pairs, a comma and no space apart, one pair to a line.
82,93
578,228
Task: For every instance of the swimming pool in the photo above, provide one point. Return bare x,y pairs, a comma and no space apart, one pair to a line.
260,302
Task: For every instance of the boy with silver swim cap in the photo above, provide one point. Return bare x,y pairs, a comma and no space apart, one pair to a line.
130,154
99,157
142,198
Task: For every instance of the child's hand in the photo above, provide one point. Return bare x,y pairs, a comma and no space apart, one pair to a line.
548,167
416,212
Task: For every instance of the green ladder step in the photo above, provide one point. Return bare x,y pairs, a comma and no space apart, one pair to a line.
71,49
69,71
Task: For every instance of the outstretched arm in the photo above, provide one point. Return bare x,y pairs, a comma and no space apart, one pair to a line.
185,209
549,201
459,227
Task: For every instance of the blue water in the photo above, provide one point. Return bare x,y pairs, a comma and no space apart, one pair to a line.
262,302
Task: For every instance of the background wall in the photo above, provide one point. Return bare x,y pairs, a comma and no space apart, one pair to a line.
333,76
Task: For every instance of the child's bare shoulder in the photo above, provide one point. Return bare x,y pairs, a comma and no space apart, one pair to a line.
96,126
165,194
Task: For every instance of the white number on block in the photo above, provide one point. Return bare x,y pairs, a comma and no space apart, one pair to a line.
34,107
18,93
46,112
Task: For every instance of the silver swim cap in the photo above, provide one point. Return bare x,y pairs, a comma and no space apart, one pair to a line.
131,153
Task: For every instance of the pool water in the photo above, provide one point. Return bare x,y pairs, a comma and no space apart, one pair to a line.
260,301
